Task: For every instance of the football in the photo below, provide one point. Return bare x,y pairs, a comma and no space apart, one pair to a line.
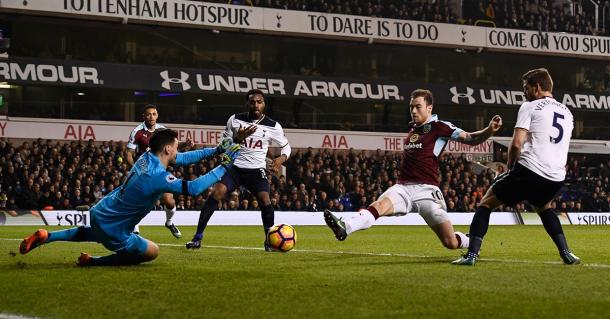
282,237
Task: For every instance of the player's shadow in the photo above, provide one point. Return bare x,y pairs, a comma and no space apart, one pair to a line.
24,265
17,265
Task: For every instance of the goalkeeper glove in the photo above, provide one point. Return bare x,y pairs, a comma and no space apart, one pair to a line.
224,144
229,155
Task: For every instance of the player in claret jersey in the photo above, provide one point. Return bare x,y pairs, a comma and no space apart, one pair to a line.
137,145
417,188
536,159
249,169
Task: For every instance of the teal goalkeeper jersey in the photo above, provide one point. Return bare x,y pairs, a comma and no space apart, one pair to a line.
118,212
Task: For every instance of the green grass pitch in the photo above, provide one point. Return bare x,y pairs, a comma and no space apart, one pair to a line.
384,272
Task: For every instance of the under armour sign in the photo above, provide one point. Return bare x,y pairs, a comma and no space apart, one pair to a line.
167,81
457,96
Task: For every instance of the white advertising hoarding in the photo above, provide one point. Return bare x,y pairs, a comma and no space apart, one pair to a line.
315,24
250,218
73,130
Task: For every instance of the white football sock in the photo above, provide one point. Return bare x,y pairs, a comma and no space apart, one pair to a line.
169,214
464,240
364,220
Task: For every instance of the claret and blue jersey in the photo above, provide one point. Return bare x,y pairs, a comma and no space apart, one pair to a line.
422,148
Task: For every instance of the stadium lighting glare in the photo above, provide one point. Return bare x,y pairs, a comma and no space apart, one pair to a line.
80,93
199,100
168,94
4,85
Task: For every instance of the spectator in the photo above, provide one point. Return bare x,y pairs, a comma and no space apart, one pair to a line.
65,205
45,200
317,179
12,204
26,196
3,201
57,200
244,205
76,199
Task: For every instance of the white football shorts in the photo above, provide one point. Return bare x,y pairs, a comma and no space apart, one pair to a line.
427,200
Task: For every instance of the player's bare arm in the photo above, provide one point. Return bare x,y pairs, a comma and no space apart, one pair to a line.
244,132
129,156
276,165
478,137
514,151
188,144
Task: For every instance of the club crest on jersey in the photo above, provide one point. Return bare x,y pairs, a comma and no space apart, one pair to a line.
170,178
142,164
414,137
427,128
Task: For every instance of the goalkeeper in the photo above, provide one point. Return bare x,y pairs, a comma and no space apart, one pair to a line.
113,217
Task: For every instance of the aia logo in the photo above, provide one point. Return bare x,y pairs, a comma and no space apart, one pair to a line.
252,143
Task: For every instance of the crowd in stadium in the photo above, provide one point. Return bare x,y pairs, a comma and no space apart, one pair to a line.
62,175
518,14
533,15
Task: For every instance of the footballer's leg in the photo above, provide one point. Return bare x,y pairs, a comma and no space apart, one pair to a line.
450,238
364,220
169,204
552,225
389,202
208,209
42,236
478,228
135,251
267,215
433,210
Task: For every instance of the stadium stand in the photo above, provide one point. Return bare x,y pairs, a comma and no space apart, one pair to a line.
547,16
38,174
62,175
542,15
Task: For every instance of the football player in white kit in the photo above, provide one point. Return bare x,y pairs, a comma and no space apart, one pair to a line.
536,159
249,167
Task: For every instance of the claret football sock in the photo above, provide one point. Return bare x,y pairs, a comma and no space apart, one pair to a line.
463,240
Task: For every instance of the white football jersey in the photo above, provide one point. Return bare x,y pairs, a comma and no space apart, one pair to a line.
254,148
550,126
